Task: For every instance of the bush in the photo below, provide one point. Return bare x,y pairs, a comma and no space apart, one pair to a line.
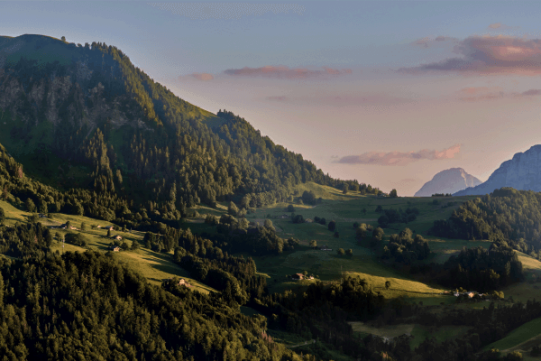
332,225
341,252
76,239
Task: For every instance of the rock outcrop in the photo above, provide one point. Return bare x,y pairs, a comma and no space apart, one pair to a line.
523,172
448,181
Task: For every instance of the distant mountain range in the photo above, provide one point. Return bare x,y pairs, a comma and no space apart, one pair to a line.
523,172
448,181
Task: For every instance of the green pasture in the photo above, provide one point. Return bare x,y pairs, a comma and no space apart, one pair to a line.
522,338
152,265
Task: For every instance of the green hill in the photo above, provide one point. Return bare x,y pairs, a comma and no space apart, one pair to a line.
83,116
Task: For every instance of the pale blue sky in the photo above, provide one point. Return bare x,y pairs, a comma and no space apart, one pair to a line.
356,103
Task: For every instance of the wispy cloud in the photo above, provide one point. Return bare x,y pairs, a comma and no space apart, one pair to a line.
428,41
489,55
500,26
284,72
227,11
489,93
202,76
340,100
400,158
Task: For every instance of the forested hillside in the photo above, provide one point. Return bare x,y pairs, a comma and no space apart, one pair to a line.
504,215
84,117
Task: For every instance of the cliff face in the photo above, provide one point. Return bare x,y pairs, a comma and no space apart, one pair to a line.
448,181
523,172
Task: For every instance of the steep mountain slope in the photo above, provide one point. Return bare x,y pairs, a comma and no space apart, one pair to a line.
84,116
448,181
523,172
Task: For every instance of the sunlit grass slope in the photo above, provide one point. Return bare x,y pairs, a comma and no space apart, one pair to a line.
154,266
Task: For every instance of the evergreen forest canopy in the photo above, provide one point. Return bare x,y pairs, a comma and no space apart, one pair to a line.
84,117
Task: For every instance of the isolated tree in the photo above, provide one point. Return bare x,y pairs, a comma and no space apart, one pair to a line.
290,208
364,211
268,224
349,252
109,233
336,234
63,38
232,210
341,252
313,243
83,226
387,284
393,193
2,215
345,188
332,225
378,234
30,206
361,231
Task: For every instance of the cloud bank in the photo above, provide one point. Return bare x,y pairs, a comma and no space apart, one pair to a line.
489,55
284,72
400,158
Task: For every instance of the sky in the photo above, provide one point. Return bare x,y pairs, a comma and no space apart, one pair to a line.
386,92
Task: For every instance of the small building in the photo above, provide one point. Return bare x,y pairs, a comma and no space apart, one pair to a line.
471,294
297,277
115,249
308,220
325,248
284,216
184,283
310,277
117,237
110,228
98,227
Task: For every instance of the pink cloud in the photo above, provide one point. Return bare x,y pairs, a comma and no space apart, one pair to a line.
284,72
202,76
400,158
489,55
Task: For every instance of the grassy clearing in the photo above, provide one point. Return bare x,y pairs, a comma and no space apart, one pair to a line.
385,331
345,210
419,332
519,337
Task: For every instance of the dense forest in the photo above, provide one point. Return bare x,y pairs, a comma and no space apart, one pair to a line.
504,215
